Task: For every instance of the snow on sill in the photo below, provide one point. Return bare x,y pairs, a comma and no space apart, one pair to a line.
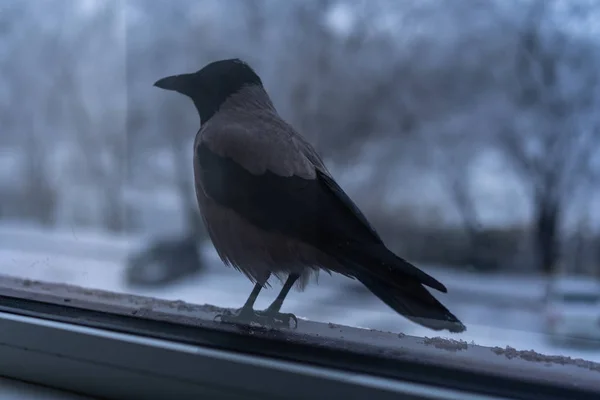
436,350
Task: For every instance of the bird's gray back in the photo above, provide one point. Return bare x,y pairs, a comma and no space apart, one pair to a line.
248,130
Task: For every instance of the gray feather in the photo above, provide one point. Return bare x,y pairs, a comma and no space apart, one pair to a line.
248,130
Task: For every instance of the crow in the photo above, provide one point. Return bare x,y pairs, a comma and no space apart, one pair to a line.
271,207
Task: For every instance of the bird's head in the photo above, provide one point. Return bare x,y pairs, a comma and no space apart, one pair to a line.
212,85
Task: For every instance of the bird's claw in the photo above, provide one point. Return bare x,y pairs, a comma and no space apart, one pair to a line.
264,318
280,320
219,317
234,317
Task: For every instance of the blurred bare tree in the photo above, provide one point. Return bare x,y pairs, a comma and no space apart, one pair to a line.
406,100
60,113
551,140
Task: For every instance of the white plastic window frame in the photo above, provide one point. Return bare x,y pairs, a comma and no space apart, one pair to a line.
115,346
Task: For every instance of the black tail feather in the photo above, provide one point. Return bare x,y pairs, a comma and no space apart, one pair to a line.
413,301
380,261
399,284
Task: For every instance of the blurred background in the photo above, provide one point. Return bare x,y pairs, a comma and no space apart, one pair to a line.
466,131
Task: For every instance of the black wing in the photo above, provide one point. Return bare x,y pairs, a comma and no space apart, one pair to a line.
316,211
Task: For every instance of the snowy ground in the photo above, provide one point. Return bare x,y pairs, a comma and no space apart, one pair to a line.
498,311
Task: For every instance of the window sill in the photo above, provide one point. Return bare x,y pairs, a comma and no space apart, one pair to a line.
14,389
122,346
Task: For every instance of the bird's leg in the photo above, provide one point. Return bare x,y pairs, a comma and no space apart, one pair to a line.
249,304
287,286
273,311
271,316
246,314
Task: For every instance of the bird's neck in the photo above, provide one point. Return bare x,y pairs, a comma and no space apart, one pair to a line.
249,99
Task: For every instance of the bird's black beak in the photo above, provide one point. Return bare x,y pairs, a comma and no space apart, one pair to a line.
179,83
